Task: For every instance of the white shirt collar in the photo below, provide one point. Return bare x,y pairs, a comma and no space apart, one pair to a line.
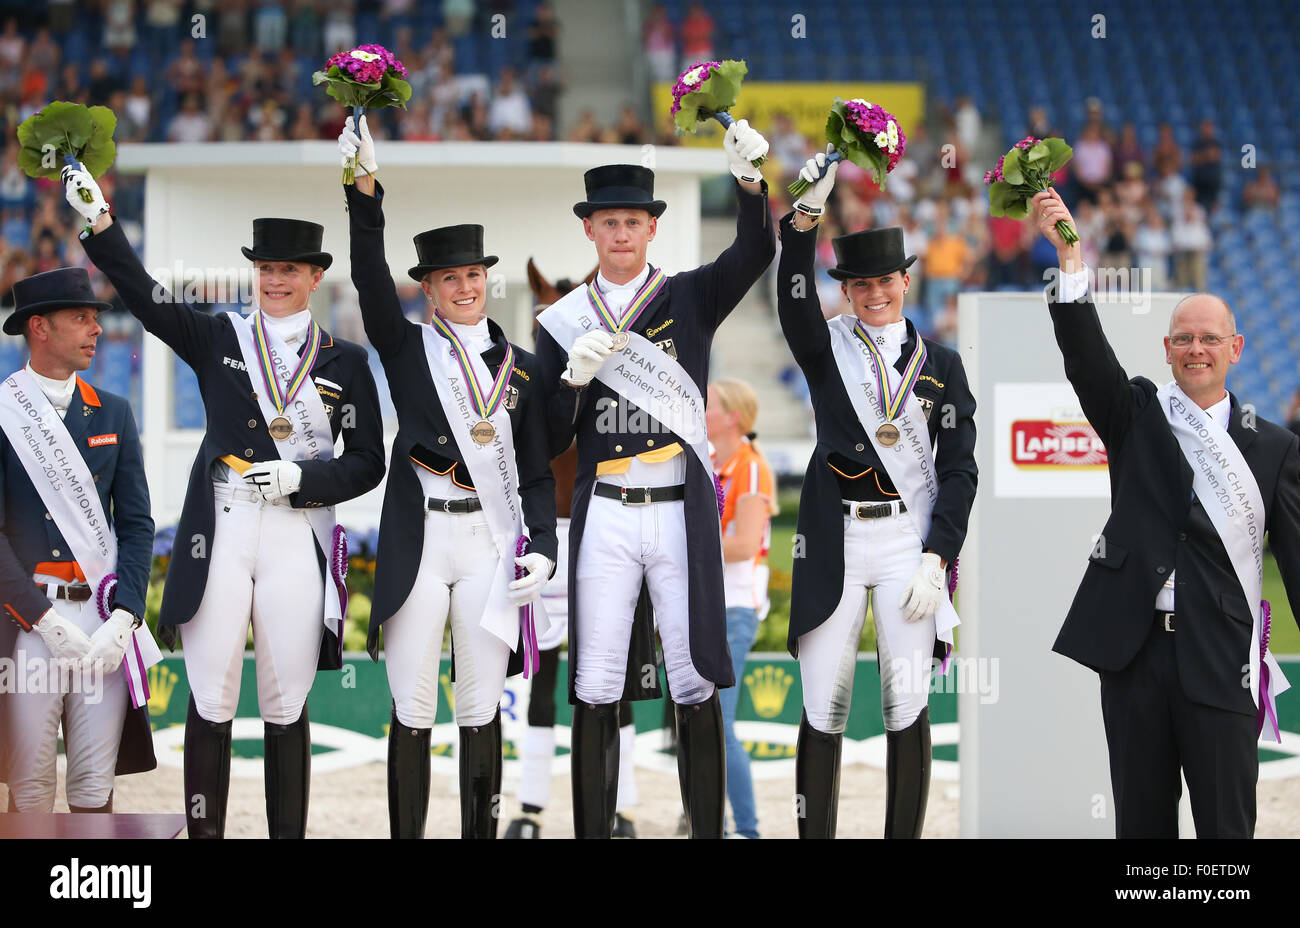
474,335
634,284
292,328
59,392
1221,412
888,338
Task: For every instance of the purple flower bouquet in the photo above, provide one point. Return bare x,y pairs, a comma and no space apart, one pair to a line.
864,133
1024,171
366,76
708,90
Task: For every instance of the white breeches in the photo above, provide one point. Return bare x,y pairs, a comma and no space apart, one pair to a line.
92,705
457,566
263,570
880,555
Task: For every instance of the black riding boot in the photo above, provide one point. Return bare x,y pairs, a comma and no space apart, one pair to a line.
594,765
408,779
480,778
207,774
817,780
702,766
907,773
288,777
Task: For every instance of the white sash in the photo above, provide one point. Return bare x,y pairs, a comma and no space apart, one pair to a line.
1224,484
312,440
495,473
910,462
642,373
56,468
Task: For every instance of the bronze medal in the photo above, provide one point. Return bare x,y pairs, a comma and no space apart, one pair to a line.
280,428
620,340
888,435
483,432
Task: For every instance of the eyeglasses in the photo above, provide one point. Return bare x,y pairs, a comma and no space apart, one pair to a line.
1209,341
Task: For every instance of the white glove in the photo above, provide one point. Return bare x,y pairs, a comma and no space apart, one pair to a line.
76,178
274,479
528,587
63,638
361,147
110,641
923,594
744,145
590,350
813,200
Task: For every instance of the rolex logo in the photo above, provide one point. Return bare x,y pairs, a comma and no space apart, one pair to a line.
768,686
162,683
448,690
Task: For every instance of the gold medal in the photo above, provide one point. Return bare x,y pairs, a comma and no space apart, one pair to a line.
887,435
620,340
280,428
483,432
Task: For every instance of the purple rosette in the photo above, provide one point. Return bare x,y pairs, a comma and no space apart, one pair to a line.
527,625
339,573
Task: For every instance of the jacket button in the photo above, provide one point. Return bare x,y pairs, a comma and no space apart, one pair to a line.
1182,536
442,439
48,516
618,447
649,442
1161,569
858,447
56,553
97,478
248,452
252,423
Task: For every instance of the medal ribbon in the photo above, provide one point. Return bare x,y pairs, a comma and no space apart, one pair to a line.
649,290
283,396
485,406
891,403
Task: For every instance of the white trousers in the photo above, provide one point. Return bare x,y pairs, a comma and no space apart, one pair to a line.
92,706
620,545
537,752
880,555
457,566
263,570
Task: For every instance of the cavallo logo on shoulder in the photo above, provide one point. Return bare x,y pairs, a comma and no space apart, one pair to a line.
1046,443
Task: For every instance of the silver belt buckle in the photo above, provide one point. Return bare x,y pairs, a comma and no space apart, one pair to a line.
645,496
446,506
1169,621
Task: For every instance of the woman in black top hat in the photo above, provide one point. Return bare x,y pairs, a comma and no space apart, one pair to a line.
470,473
257,539
881,510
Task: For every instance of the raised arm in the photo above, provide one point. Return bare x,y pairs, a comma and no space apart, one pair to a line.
185,330
1103,388
381,310
797,305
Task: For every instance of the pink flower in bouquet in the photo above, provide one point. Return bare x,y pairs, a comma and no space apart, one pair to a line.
996,173
879,125
690,80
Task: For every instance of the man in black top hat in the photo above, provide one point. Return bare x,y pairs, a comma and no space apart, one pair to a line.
257,539
57,565
880,509
626,359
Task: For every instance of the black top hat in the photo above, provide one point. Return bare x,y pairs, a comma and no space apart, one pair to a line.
873,253
449,246
61,288
288,240
619,186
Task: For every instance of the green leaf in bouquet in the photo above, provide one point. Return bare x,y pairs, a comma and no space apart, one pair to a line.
835,121
398,90
1011,167
1006,200
63,128
1036,154
714,95
1058,154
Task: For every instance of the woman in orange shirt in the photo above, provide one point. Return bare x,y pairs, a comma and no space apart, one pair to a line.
746,534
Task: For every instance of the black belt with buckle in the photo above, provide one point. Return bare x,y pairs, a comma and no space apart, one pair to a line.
873,510
641,496
1165,620
468,504
72,592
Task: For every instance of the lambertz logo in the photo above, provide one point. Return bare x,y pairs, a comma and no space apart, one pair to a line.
1041,444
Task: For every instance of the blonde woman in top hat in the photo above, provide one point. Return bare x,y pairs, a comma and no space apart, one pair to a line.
470,471
257,539
883,514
